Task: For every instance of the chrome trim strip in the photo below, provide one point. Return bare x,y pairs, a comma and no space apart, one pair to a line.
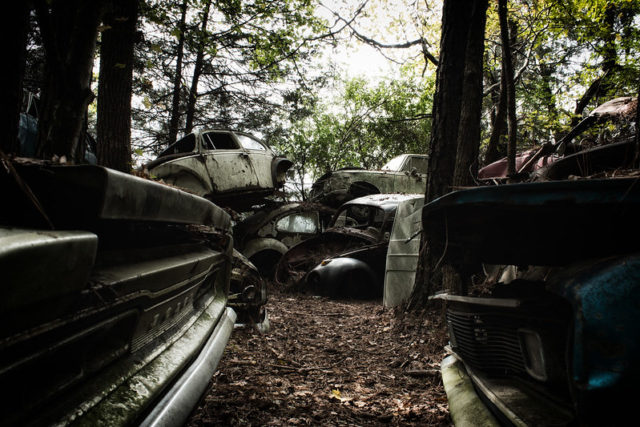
176,405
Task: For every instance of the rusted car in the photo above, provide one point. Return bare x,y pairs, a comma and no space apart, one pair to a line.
348,259
267,234
405,173
113,298
232,169
601,141
550,337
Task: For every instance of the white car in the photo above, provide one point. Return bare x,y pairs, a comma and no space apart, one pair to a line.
232,169
406,173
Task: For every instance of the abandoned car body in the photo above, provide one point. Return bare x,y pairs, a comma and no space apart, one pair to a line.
555,341
267,234
405,173
348,259
604,140
232,169
113,297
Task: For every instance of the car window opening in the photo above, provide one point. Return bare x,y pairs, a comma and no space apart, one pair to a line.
218,141
183,145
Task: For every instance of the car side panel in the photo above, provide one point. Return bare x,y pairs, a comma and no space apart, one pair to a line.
230,170
261,163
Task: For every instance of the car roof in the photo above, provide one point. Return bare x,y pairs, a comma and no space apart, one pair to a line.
384,201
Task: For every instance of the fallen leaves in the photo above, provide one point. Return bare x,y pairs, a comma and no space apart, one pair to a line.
330,363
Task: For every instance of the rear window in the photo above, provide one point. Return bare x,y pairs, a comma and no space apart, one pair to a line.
306,223
184,145
250,143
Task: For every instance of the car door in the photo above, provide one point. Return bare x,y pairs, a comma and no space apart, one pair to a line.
261,158
228,164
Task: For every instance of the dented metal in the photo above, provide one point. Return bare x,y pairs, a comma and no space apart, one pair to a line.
231,168
100,317
403,174
267,234
557,342
359,231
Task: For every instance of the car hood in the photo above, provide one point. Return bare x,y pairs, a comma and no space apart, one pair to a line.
545,223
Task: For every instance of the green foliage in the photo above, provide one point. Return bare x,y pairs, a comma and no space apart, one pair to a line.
560,49
253,53
365,127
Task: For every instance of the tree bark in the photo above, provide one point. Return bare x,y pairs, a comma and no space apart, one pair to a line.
197,69
468,141
448,97
69,33
115,85
507,65
174,120
459,24
14,30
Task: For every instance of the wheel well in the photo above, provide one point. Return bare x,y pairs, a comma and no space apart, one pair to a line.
362,188
265,261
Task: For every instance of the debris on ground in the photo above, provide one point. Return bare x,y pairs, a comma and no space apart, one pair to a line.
332,363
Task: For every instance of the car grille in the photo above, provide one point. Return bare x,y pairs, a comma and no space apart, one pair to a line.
487,342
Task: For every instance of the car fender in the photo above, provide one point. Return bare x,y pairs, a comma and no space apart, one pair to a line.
279,168
266,243
343,277
183,173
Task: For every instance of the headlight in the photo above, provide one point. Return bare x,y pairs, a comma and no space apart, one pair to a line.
532,350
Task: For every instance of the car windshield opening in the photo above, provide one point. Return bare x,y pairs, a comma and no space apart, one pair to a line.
393,164
183,145
361,217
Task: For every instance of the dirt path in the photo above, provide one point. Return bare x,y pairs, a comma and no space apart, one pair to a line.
329,363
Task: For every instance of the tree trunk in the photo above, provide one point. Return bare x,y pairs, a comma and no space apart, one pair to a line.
69,32
448,97
14,29
466,168
114,86
174,120
507,65
458,19
197,69
499,124
636,162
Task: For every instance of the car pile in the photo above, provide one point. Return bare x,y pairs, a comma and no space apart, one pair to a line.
119,293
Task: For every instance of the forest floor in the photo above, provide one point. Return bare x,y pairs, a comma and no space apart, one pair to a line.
327,362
